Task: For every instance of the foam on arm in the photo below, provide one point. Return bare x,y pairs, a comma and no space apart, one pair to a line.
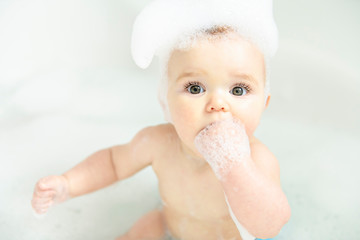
221,154
253,198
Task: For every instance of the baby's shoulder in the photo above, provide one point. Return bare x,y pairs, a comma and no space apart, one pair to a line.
158,135
156,142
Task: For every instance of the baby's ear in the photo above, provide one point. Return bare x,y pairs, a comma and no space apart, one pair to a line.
267,101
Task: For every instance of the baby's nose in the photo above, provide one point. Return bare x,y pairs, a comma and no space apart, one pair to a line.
216,104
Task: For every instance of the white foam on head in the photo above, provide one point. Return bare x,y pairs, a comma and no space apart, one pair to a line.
163,21
223,144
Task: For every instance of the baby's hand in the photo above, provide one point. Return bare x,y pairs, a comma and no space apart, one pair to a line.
48,191
223,144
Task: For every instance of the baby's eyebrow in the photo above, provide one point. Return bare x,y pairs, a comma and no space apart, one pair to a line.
244,76
189,74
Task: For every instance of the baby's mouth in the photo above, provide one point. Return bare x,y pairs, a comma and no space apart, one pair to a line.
217,121
208,125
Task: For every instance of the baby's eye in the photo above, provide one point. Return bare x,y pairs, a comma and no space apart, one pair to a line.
194,89
239,91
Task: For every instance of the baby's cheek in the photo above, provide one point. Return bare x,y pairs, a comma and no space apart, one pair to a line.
186,123
250,129
185,132
252,117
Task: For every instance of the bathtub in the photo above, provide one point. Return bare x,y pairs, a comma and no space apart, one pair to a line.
68,87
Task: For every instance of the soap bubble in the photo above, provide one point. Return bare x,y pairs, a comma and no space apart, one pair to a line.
223,144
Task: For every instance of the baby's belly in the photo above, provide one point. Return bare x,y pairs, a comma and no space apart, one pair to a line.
186,227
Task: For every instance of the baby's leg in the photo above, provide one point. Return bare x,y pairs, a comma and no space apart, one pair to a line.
149,227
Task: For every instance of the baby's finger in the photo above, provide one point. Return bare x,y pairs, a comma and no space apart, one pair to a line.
39,203
39,215
44,194
41,200
41,207
38,200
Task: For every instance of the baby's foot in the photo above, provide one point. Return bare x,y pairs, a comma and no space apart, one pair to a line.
223,144
48,191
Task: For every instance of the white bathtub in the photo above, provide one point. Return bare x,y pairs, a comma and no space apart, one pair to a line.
68,87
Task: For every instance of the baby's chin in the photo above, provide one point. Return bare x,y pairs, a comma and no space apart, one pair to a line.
190,150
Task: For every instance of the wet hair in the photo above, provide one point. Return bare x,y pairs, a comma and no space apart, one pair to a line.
218,30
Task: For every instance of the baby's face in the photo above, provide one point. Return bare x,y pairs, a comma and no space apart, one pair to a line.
212,81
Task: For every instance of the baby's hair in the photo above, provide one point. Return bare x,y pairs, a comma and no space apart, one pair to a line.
216,30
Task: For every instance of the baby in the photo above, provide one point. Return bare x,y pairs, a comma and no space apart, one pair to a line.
216,180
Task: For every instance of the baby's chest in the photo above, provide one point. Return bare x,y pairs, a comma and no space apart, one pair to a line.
196,195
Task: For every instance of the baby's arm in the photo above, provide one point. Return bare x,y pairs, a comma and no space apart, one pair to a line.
250,179
97,171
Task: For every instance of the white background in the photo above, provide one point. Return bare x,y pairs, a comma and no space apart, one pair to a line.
69,87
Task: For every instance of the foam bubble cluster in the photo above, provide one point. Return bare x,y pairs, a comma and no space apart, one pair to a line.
223,144
163,22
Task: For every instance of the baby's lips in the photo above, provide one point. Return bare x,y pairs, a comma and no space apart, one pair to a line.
224,125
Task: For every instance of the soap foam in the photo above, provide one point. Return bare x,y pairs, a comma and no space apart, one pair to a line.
223,144
162,22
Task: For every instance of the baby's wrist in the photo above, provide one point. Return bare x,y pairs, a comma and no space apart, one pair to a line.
65,189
